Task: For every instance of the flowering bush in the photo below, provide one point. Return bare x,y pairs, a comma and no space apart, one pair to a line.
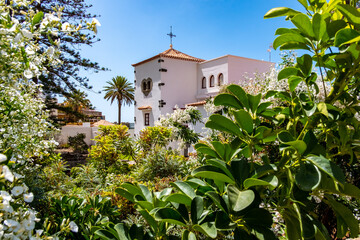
25,134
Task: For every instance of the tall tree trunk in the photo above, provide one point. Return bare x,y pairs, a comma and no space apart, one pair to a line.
119,114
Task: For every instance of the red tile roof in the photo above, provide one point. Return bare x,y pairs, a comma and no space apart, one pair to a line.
145,108
171,53
196,103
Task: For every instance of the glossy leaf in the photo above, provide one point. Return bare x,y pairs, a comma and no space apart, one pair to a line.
285,136
197,208
319,26
308,177
270,180
244,119
258,217
224,123
222,165
187,235
208,151
184,188
169,215
206,228
280,11
288,72
228,100
254,101
345,35
179,198
239,200
240,169
328,167
304,63
303,23
294,82
211,172
351,13
240,94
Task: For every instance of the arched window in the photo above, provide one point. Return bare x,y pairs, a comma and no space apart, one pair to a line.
146,86
220,79
203,82
212,81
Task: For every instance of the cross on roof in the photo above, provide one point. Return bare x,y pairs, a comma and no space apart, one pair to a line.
171,35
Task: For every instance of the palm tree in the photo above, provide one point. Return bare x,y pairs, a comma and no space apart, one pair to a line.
120,89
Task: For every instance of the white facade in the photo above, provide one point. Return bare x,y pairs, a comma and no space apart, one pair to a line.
173,78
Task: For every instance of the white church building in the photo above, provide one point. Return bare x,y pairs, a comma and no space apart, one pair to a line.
174,78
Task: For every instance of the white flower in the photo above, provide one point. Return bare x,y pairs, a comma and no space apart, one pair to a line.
7,173
65,26
11,223
28,74
73,227
96,22
3,158
28,197
5,196
16,191
28,224
27,34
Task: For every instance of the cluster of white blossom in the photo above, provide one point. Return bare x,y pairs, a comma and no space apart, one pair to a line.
25,133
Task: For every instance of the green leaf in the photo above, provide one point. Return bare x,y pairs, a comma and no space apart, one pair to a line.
345,35
299,145
308,177
222,165
207,228
197,208
184,188
169,215
239,200
285,136
124,193
345,215
319,26
323,109
328,167
245,121
294,82
303,23
280,11
208,151
218,200
228,100
262,107
219,148
132,189
37,18
263,170
281,31
211,172
240,94
334,26
254,101
305,64
294,45
136,232
240,169
288,72
179,198
149,219
224,123
351,13
293,230
187,235
270,180
146,193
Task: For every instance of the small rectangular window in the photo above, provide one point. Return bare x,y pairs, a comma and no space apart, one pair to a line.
147,119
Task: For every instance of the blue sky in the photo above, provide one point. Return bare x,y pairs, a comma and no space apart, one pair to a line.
133,30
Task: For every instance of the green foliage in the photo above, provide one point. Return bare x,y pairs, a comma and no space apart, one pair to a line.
77,143
316,141
161,163
152,137
113,146
88,214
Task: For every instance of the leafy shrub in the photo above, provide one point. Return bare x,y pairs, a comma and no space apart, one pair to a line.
161,163
152,137
77,143
113,146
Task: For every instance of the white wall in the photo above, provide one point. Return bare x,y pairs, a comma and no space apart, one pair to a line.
73,130
207,69
180,83
147,70
240,67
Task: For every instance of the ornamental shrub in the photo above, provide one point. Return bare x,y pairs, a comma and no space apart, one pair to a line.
77,143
